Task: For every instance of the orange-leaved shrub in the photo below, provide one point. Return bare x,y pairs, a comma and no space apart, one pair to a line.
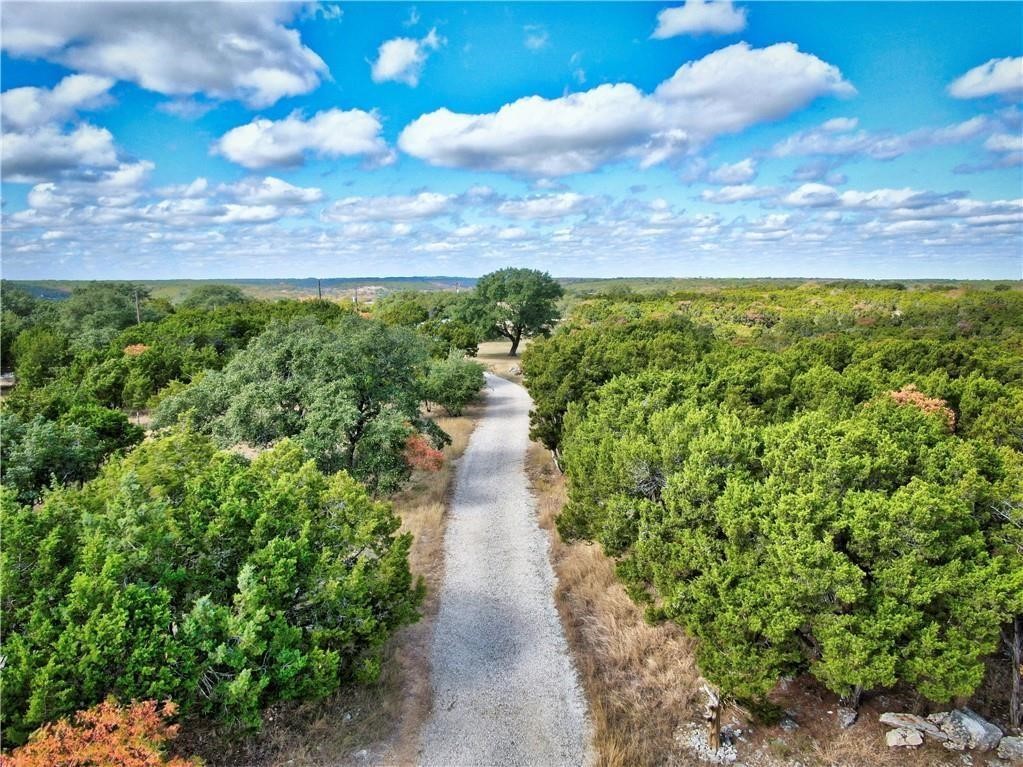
107,734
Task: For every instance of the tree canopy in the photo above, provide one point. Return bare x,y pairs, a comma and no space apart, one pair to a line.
846,505
186,573
517,303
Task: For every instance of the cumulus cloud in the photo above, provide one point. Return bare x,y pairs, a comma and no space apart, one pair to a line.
1001,77
547,206
30,107
332,133
269,191
1004,142
734,173
241,51
48,152
839,138
697,17
737,193
402,58
396,208
724,92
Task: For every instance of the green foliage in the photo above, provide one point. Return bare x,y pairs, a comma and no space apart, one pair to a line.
95,312
350,395
184,573
405,309
212,297
39,351
37,453
517,303
454,382
846,505
571,366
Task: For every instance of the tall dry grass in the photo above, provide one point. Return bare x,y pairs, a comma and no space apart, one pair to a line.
640,679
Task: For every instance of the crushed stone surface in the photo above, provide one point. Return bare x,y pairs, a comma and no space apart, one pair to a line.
505,691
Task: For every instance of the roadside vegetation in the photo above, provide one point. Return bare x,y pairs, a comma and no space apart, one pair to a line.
196,504
814,482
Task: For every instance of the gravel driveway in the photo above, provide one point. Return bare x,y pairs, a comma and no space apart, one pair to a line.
505,689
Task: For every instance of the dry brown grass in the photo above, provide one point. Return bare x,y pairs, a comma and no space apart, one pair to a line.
641,680
494,354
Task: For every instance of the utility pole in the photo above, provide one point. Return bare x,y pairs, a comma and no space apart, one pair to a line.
356,296
138,314
319,293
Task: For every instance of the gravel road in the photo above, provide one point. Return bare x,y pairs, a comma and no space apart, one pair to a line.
505,691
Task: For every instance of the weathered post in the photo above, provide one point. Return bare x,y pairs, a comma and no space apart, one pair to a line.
712,715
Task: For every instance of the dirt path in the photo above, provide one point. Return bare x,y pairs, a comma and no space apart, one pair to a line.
504,688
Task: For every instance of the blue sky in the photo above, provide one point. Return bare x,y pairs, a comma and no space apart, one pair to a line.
589,139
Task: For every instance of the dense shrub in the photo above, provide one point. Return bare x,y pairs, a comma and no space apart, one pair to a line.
106,734
453,383
39,452
189,574
800,501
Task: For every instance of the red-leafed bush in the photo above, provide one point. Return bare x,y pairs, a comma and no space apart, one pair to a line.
108,734
420,454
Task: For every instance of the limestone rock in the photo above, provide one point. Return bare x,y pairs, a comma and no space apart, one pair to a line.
1011,749
982,735
902,737
846,717
912,722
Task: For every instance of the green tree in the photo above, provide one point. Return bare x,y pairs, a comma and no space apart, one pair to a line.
855,547
212,297
37,453
453,382
349,394
517,303
185,573
97,311
40,353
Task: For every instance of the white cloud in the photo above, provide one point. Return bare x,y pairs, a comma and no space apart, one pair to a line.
241,51
812,196
270,191
196,188
402,58
840,124
513,233
1004,142
247,214
331,133
725,92
549,206
734,173
838,138
697,17
1003,77
737,193
536,37
48,152
397,208
30,107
